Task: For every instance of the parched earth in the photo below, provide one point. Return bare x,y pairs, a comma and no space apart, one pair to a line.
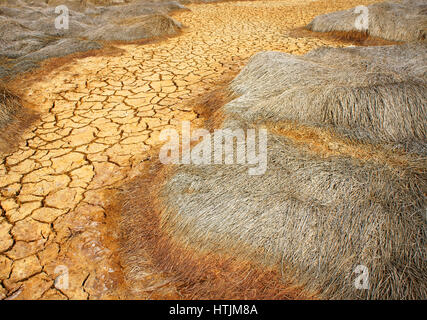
100,117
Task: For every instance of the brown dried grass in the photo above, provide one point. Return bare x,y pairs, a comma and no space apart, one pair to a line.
15,117
198,275
357,38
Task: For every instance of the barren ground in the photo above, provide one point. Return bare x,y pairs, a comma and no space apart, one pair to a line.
101,115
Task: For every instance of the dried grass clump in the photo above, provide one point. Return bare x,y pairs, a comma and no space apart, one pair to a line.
375,94
315,218
350,38
403,21
309,218
142,27
29,35
329,201
14,119
146,244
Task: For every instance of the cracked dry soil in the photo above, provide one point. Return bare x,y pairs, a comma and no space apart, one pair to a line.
100,117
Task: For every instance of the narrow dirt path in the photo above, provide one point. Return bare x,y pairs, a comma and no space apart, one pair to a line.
100,117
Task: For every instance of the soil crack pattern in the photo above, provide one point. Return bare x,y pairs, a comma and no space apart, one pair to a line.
100,117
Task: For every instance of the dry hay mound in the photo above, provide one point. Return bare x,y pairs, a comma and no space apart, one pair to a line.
28,33
14,119
376,94
403,21
149,26
325,205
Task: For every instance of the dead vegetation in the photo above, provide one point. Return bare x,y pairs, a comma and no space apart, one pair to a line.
145,27
395,21
204,275
359,38
374,94
29,33
14,119
341,189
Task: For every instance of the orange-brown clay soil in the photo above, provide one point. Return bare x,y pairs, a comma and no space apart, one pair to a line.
100,117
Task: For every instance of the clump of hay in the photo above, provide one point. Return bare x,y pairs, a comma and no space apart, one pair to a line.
328,203
14,119
404,21
145,243
313,219
351,38
143,27
29,34
377,94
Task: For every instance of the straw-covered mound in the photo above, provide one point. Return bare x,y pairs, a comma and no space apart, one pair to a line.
14,119
326,208
29,32
396,21
149,26
376,94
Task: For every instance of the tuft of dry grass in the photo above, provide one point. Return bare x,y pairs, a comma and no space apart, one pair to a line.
14,119
28,37
225,235
394,21
334,196
199,274
373,94
142,27
358,38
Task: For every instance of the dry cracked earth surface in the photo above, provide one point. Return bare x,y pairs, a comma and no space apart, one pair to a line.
100,117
